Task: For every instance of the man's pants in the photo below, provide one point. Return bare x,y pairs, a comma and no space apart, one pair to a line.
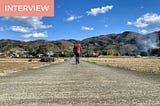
77,58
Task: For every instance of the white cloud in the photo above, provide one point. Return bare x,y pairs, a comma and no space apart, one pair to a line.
143,31
72,18
35,22
36,35
129,23
102,10
20,29
149,21
106,25
87,28
45,26
1,29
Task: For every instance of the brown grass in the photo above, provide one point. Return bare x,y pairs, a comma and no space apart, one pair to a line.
9,65
145,64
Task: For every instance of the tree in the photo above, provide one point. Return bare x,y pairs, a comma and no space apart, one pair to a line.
42,49
155,51
110,52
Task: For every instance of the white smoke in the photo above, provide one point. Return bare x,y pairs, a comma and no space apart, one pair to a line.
151,42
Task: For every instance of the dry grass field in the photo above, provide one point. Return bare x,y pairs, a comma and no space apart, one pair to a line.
145,64
10,65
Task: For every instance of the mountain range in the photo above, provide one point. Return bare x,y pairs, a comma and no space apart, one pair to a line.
126,43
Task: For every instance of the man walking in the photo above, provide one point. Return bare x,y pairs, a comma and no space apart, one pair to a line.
77,51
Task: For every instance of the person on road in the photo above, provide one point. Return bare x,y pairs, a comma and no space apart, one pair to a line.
77,51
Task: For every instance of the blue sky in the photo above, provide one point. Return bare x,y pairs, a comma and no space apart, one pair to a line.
79,19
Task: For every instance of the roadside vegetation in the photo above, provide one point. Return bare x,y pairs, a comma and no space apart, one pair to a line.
143,64
10,65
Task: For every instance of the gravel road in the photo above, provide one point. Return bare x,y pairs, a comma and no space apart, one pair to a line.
86,84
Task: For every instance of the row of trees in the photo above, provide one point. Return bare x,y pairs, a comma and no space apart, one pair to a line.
43,50
111,52
155,51
150,52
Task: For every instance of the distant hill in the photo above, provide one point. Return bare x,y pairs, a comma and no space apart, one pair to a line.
126,43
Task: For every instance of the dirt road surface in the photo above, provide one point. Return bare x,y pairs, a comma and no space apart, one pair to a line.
86,84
